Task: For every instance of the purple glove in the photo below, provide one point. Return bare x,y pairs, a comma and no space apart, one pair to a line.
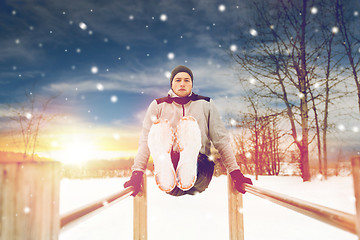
135,181
238,179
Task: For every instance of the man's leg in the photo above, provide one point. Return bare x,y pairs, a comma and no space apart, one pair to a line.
188,137
160,142
205,170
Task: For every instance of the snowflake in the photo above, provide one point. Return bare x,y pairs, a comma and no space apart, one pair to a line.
153,118
248,155
113,98
341,127
17,41
222,8
301,95
355,129
28,115
78,50
356,13
253,32
171,56
233,48
335,30
94,70
252,80
317,85
314,10
27,210
116,136
163,17
233,122
131,17
100,87
13,12
167,74
82,25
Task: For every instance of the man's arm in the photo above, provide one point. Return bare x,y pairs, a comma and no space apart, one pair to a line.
143,154
220,138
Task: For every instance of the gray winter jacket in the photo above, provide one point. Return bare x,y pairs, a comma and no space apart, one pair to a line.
173,109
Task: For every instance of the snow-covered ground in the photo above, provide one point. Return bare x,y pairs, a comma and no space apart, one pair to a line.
205,216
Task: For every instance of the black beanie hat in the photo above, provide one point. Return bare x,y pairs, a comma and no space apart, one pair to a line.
178,69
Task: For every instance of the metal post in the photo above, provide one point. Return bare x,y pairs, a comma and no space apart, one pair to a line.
236,218
140,213
355,162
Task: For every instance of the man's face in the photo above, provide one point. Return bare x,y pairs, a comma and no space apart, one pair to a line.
182,84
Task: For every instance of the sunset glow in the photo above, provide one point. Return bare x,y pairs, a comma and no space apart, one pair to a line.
78,150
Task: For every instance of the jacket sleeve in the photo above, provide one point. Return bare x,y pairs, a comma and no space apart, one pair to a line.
143,154
219,137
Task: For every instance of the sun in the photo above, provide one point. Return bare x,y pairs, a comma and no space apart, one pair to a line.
76,151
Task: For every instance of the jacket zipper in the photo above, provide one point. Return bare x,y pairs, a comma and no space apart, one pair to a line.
183,110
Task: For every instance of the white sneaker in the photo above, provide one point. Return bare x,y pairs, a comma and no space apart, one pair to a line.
160,141
189,142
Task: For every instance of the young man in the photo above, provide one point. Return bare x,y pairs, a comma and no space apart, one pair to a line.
177,131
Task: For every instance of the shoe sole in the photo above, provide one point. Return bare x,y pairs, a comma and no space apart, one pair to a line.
188,138
160,141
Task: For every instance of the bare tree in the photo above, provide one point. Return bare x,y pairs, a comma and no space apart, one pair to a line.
350,38
29,118
257,139
289,57
281,64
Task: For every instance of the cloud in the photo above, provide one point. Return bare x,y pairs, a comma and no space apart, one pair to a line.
115,81
208,79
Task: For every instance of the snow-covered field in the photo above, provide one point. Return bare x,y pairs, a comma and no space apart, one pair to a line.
205,216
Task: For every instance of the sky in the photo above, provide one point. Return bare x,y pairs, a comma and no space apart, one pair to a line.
105,61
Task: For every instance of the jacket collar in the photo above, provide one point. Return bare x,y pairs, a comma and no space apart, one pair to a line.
172,97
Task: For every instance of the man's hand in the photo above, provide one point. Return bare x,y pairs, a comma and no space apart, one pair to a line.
238,179
135,181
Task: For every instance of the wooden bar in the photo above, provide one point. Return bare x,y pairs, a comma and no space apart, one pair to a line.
76,216
29,200
342,220
355,162
140,213
236,218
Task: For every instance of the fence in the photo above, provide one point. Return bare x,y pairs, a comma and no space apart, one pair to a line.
29,204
